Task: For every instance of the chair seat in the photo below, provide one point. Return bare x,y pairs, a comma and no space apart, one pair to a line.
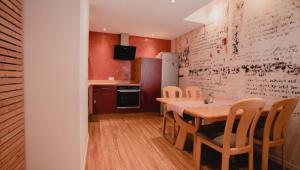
215,133
219,140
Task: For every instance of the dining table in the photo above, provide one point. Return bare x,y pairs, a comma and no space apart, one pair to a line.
201,113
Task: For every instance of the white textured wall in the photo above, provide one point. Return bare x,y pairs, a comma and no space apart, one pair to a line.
247,49
55,100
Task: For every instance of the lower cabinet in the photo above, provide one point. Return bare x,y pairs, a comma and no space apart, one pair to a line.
104,99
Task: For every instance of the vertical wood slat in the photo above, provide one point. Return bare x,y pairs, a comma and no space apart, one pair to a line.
12,143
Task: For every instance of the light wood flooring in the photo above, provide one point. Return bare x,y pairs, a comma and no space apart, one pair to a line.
135,142
132,141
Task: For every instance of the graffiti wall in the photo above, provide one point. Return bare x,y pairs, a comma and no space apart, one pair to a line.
252,49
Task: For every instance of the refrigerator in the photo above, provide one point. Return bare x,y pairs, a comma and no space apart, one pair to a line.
170,69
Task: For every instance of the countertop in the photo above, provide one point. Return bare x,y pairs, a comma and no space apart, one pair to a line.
112,82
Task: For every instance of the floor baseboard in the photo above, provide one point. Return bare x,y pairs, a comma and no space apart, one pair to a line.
289,165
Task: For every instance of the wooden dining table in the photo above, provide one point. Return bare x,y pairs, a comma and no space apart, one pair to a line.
202,114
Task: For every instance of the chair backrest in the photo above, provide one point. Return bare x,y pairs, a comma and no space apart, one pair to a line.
278,117
193,91
172,92
250,110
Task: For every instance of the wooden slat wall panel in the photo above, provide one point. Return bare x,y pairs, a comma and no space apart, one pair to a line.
10,60
10,11
11,128
9,53
10,26
12,139
11,148
11,121
8,15
10,32
12,6
10,39
14,80
9,94
5,74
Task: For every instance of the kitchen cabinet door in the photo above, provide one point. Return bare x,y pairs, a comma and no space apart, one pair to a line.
150,84
104,99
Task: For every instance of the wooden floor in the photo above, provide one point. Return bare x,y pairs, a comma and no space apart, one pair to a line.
134,142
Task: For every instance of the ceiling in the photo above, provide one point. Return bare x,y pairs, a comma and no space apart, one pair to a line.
149,18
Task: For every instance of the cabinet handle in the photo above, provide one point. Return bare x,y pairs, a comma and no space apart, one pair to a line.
95,101
105,88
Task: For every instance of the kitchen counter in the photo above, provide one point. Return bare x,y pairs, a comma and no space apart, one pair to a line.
112,82
103,95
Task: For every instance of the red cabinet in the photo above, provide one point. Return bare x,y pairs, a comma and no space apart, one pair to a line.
147,72
104,99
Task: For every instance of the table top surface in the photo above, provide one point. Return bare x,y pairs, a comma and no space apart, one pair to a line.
208,113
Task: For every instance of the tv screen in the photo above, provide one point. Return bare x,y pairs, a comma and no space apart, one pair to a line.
124,52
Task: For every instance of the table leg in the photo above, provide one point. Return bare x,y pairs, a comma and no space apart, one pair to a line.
182,134
184,129
197,125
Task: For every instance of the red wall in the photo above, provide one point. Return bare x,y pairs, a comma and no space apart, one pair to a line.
101,52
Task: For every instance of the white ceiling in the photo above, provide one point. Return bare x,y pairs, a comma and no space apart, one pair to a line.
150,18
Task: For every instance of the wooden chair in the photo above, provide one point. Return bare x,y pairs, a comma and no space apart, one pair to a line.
271,133
238,142
170,92
193,91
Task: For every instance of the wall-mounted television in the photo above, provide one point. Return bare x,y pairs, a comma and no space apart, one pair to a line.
123,52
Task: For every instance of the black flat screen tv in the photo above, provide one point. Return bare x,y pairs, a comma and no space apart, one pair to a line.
124,52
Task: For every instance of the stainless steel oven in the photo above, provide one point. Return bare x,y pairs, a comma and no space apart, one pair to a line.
128,97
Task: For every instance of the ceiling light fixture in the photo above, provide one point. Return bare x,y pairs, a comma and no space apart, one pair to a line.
173,1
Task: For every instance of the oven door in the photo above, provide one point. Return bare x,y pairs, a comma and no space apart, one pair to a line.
128,98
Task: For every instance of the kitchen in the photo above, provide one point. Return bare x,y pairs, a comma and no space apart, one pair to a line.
135,83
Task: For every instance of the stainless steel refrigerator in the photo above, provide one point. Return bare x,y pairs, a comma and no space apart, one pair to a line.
170,69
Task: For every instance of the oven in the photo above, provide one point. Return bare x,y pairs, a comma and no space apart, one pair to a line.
128,97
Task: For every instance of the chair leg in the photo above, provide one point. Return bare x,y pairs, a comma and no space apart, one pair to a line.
198,154
250,159
164,126
283,157
265,157
225,161
173,132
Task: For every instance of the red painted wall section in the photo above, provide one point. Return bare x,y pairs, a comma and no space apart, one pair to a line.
149,47
101,62
101,52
